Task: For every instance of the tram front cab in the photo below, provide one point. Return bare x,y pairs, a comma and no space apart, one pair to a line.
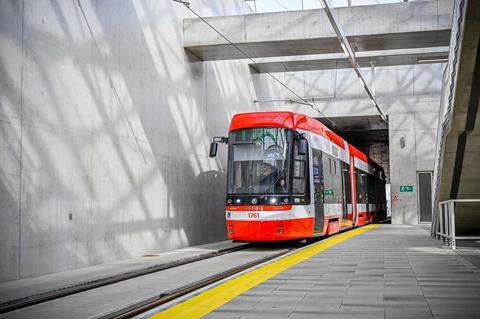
267,185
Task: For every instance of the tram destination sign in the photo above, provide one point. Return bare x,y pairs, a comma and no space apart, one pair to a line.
406,188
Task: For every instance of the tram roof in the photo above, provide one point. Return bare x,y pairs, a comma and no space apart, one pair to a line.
293,121
289,120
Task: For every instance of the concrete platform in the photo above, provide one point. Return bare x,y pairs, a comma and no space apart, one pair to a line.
33,287
388,272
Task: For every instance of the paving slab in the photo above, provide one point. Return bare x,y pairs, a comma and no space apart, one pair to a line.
392,271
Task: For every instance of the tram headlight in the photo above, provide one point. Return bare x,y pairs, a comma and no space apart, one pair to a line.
229,201
273,200
254,201
237,201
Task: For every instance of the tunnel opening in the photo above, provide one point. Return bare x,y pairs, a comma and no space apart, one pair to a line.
367,133
370,135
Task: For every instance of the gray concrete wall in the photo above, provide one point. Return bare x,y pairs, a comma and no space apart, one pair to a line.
410,95
112,132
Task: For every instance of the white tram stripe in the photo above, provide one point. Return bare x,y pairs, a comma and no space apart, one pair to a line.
332,209
361,208
297,211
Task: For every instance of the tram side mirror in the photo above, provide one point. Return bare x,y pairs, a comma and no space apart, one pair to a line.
213,149
214,144
302,146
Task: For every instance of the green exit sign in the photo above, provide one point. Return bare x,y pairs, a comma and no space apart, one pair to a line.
406,188
328,192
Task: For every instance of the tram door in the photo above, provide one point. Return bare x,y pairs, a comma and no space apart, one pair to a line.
345,179
318,189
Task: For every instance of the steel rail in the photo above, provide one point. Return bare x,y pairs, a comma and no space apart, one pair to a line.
149,303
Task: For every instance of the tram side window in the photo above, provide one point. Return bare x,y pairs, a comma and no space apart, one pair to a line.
371,189
362,185
337,181
380,192
317,167
332,180
346,178
299,171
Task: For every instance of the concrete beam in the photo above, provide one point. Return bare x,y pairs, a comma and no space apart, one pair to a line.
338,61
416,24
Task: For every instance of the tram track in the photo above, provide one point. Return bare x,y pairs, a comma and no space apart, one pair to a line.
147,294
146,305
149,303
53,294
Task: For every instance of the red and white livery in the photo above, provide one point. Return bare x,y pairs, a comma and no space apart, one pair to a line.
291,177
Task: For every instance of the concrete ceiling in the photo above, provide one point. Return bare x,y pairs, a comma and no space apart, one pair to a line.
418,24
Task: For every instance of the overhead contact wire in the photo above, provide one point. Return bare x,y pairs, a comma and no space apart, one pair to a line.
304,101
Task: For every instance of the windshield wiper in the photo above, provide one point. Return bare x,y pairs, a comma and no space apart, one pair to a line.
275,181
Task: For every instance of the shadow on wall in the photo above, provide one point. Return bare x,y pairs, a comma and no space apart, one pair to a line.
10,66
115,132
115,140
8,230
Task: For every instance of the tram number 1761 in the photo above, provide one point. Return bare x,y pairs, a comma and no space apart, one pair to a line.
253,215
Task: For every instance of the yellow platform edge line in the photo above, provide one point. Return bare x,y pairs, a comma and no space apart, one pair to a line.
217,296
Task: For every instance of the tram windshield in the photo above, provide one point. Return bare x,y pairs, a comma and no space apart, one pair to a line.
259,161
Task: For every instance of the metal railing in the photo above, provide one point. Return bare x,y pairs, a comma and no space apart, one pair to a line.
445,222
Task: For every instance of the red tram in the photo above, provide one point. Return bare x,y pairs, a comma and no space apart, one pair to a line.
289,177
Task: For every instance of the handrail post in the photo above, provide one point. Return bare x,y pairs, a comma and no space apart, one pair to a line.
447,220
442,213
448,230
449,226
452,225
436,229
